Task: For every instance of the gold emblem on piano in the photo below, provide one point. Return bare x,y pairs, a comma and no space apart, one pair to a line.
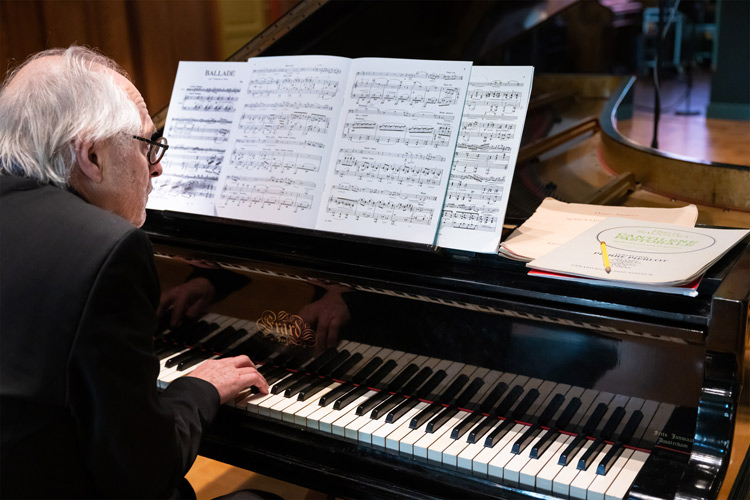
287,329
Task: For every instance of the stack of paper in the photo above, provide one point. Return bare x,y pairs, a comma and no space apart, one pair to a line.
640,254
555,222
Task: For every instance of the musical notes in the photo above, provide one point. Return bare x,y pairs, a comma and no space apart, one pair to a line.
383,148
279,193
485,155
378,211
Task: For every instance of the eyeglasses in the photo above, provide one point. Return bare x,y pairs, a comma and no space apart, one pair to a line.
156,149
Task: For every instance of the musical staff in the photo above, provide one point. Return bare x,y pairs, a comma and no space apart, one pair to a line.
349,166
319,88
286,161
210,99
297,123
378,211
278,193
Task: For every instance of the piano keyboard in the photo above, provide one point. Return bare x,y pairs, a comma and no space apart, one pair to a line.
524,432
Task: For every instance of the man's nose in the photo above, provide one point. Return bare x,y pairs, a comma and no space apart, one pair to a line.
156,169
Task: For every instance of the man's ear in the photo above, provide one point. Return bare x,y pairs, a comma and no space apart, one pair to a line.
89,160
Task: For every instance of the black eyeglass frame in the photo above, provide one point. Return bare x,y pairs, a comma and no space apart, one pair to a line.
161,148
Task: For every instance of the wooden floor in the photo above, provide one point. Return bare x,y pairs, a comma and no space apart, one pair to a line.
725,141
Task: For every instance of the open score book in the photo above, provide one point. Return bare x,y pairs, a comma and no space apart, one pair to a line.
412,150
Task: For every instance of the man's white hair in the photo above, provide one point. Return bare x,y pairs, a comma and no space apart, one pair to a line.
71,99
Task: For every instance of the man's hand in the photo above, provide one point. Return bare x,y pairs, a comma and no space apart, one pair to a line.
230,376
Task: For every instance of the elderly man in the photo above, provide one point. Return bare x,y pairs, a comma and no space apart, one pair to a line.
81,416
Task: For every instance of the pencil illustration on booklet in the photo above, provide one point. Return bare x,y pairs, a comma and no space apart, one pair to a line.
605,257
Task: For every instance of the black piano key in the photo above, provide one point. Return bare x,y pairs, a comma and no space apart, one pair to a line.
509,400
313,389
492,398
523,407
568,413
463,399
400,410
570,451
546,417
176,360
448,396
624,438
199,333
321,360
590,455
222,340
386,406
532,432
610,458
288,382
497,434
426,389
418,379
312,367
397,383
276,374
346,399
423,416
335,368
168,350
441,418
379,375
331,365
367,370
371,381
340,372
372,402
614,420
502,410
482,428
335,393
464,425
627,432
526,438
198,357
594,419
544,443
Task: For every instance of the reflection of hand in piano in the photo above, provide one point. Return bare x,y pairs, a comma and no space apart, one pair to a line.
327,314
186,301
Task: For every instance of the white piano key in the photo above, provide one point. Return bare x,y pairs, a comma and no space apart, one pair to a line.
496,466
429,440
580,485
311,405
364,434
512,471
529,473
601,484
346,425
390,438
561,484
481,461
625,478
546,477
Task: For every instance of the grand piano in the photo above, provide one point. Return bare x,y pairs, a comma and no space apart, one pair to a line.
401,371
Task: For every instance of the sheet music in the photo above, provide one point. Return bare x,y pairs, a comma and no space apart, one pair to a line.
354,146
202,113
281,145
485,158
394,147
